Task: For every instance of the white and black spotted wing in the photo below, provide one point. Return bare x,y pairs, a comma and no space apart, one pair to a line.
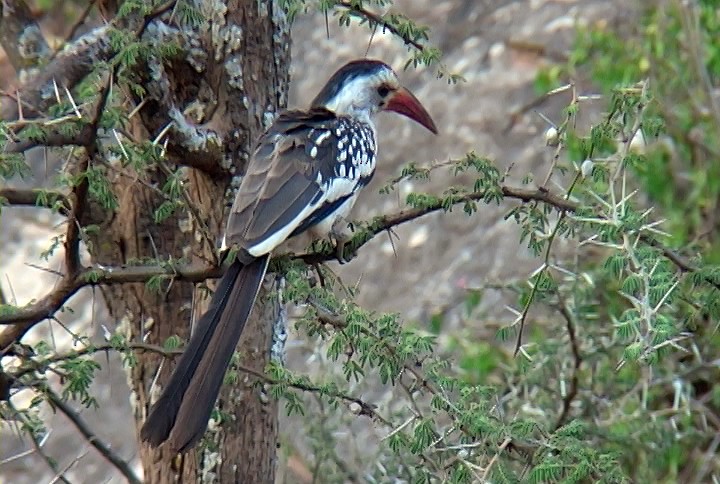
304,167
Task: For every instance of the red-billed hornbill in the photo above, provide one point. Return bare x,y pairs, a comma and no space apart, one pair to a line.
305,174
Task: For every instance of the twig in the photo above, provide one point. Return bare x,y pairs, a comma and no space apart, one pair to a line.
376,19
68,466
693,40
577,358
80,191
78,23
545,266
37,446
99,445
495,457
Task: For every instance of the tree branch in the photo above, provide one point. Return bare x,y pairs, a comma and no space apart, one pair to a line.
36,197
74,63
577,361
54,137
24,318
375,19
67,69
99,445
20,36
365,409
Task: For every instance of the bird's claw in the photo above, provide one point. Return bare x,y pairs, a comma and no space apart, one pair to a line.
344,256
342,234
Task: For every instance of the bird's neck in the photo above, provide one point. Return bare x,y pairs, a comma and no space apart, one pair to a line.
352,112
359,116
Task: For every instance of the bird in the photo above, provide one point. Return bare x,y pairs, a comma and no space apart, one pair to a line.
304,176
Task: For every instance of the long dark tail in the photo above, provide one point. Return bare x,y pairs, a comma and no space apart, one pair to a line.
181,414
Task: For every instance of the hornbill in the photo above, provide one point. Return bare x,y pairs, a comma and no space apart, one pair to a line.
304,175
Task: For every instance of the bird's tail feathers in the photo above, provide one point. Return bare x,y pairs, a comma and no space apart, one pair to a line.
181,413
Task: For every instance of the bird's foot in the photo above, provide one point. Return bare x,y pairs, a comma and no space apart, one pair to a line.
342,233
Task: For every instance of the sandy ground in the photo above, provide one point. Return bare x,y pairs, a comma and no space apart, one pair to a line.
433,259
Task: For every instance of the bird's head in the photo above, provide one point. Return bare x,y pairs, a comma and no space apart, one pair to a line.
362,88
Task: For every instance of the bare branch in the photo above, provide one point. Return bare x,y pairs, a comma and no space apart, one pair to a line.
84,429
577,361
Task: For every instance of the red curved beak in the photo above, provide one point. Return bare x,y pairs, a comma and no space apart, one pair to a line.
405,103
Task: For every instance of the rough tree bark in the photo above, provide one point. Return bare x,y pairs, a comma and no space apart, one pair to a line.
219,95
243,81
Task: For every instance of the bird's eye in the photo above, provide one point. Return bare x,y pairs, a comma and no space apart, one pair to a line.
383,90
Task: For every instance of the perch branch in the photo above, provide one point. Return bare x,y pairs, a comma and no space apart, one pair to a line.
24,318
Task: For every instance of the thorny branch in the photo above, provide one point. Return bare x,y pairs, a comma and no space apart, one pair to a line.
413,368
545,266
24,318
74,63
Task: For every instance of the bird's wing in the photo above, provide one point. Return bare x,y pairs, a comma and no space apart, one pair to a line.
292,181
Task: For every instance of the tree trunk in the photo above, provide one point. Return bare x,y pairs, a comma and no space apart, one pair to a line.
206,106
242,83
